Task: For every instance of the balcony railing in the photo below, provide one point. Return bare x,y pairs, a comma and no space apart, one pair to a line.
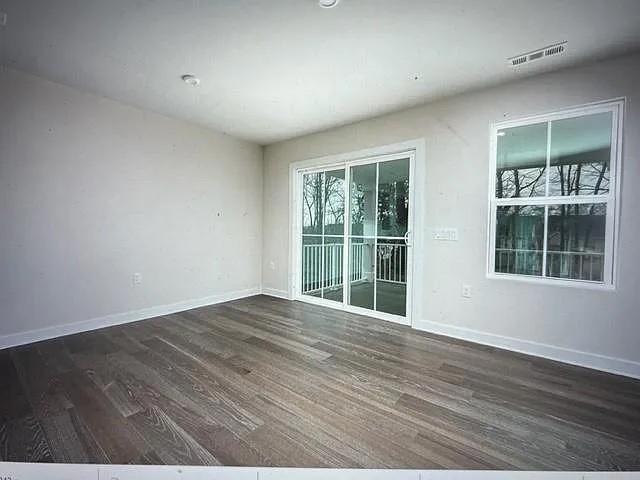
574,265
390,264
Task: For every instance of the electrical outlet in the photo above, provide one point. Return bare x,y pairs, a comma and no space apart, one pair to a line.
136,279
466,291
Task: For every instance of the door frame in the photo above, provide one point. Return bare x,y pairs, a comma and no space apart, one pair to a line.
415,149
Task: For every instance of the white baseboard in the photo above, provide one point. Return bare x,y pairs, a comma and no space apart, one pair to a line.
575,357
30,471
31,336
618,366
274,292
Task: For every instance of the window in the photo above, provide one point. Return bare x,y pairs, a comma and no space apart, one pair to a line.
553,196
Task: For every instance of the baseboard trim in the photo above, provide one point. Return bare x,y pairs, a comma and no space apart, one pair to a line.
618,366
30,336
274,292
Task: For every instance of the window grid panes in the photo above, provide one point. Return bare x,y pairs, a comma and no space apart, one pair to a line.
553,200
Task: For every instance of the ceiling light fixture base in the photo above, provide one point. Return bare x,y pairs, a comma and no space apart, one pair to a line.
328,3
191,80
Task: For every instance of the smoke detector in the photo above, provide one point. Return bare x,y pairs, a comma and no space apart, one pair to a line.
328,3
551,50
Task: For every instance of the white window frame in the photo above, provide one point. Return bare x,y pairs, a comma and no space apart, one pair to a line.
612,199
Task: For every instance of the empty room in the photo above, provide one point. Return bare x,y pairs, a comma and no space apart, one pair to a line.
353,239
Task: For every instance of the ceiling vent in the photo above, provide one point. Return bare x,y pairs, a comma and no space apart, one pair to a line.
545,52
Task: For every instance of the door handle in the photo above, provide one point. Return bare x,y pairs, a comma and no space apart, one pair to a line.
406,239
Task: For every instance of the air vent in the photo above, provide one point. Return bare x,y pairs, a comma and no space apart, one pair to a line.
518,60
555,50
529,57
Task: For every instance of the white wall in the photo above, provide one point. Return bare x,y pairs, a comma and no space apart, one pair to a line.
92,191
596,328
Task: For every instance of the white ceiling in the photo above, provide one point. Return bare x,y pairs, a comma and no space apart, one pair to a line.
276,69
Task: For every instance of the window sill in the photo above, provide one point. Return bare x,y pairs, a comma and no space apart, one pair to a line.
547,281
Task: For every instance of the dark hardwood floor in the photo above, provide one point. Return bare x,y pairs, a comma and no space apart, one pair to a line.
262,381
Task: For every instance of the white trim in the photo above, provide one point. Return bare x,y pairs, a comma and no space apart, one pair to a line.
375,235
566,355
30,336
389,317
553,281
572,200
547,173
321,163
323,302
276,292
295,231
346,253
411,272
616,173
323,266
611,199
570,112
66,471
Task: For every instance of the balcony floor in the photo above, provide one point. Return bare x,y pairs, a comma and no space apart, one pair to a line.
392,297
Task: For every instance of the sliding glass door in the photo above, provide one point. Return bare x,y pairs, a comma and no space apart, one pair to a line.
354,248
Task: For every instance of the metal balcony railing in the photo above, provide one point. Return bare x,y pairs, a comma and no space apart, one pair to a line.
390,264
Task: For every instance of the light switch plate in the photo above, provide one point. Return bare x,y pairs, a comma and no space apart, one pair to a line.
445,234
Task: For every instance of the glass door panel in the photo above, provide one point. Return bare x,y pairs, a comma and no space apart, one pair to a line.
334,198
332,272
333,234
362,197
361,272
379,197
391,277
323,208
312,226
363,200
311,265
312,204
393,198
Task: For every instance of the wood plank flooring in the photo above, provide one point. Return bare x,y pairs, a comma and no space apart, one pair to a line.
262,381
